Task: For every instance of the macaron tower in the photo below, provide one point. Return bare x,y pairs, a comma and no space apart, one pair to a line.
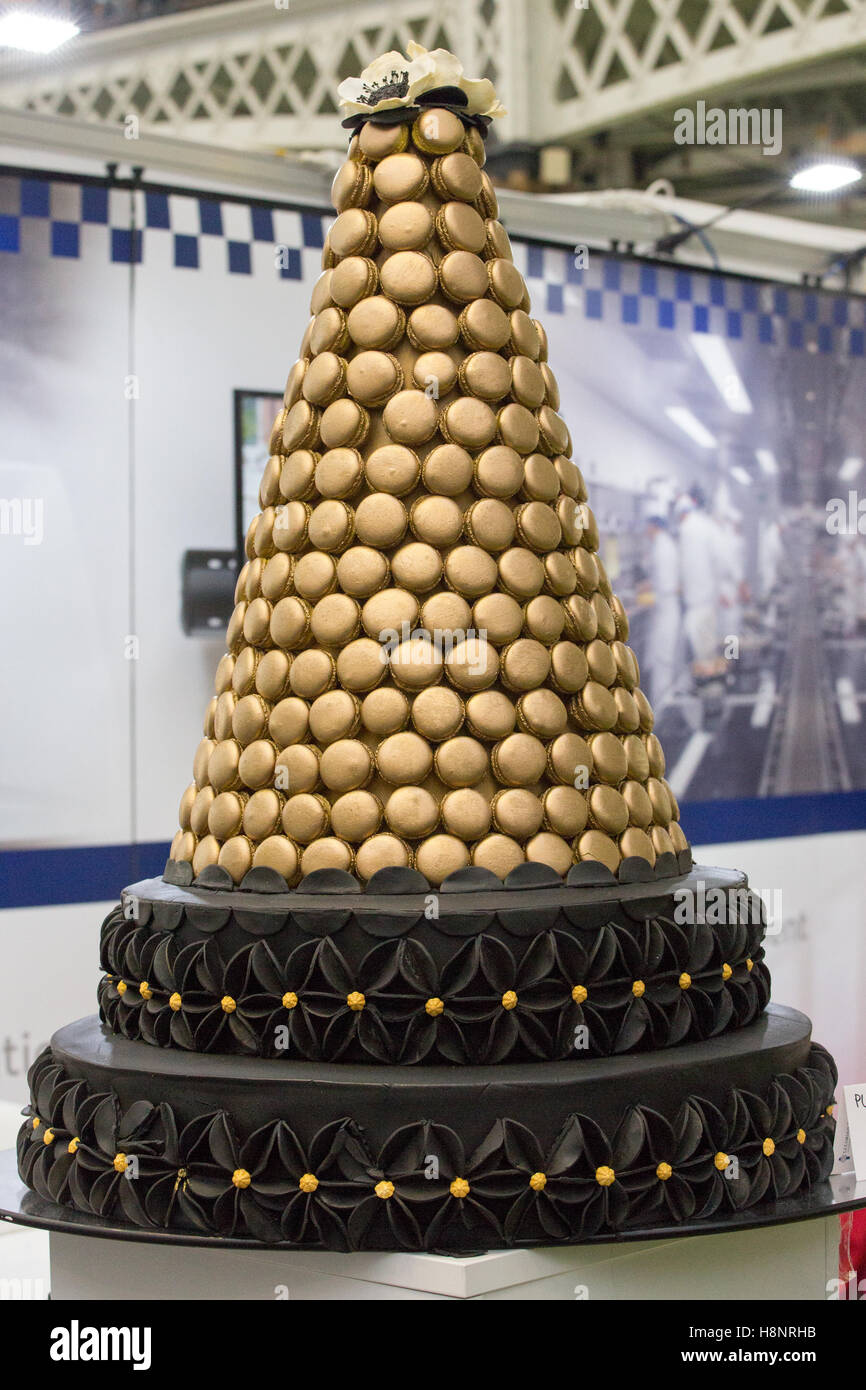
429,894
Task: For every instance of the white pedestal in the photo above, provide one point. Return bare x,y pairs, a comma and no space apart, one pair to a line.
793,1261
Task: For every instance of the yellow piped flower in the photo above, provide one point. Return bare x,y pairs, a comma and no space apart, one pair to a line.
227,1004
685,980
801,1136
830,1111
538,1182
175,1002
72,1146
749,963
122,986
355,1001
145,990
36,1122
604,1176
459,1188
721,1161
49,1136
241,1178
768,1147
384,1189
638,989
727,972
509,999
121,1163
579,994
434,1007
664,1171
308,1182
290,1000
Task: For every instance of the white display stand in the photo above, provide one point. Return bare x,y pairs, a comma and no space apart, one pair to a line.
793,1261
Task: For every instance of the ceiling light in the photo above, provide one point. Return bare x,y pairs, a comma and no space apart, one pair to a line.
850,468
34,33
767,459
825,176
716,357
690,425
741,476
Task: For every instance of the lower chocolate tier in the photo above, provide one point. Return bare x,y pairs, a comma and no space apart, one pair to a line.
449,1159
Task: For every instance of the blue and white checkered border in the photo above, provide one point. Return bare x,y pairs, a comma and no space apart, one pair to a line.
188,228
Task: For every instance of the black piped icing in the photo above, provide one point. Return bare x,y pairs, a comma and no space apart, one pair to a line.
370,1158
531,969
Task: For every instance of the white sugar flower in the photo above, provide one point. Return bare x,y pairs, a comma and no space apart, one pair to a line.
396,80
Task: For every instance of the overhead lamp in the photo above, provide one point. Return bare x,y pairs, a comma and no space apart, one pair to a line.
721,369
34,33
767,461
825,176
850,468
742,477
691,425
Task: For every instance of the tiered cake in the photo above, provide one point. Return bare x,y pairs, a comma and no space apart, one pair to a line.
429,965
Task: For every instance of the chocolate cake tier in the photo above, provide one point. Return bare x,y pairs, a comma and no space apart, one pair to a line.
466,975
456,1160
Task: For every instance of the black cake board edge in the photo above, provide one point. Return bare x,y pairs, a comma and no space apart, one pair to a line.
22,1207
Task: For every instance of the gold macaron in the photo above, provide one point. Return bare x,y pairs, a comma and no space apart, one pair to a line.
405,227
353,233
376,322
485,374
382,852
352,185
344,423
466,814
499,616
565,810
469,422
463,276
456,176
354,278
517,812
437,131
498,472
339,473
400,178
484,325
404,759
289,721
519,760
439,856
314,575
432,327
460,228
490,524
521,573
417,567
409,277
438,713
393,468
461,762
356,816
385,711
334,715
490,715
447,470
410,417
376,142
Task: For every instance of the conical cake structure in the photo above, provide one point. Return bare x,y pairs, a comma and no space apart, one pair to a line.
426,665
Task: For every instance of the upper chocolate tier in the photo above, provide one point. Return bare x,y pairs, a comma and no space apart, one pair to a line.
462,976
